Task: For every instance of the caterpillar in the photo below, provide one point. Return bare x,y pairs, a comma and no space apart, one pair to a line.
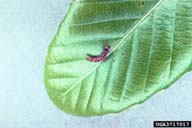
101,57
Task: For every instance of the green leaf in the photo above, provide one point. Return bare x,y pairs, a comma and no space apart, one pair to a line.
151,48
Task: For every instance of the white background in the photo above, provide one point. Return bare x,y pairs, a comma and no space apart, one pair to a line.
26,30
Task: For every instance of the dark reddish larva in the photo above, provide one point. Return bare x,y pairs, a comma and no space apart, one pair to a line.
101,57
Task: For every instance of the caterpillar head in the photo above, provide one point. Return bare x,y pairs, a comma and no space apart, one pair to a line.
107,47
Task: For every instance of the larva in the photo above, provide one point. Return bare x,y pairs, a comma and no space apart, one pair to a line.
101,57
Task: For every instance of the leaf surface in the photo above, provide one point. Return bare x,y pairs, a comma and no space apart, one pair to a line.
151,47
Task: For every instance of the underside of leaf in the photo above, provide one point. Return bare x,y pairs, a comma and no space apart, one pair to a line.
151,47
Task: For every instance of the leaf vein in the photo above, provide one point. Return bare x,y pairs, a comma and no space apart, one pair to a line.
103,21
172,47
